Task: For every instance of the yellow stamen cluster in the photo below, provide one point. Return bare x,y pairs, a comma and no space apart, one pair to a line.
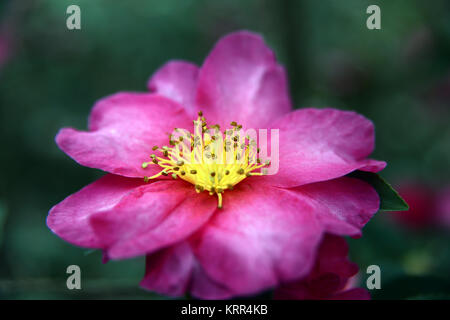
211,161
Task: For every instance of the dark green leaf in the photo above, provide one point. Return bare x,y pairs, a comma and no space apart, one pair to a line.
390,200
87,252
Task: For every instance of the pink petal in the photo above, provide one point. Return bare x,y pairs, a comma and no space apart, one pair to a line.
70,218
343,205
168,271
123,128
177,80
241,81
265,236
151,217
262,236
329,276
174,271
322,144
333,258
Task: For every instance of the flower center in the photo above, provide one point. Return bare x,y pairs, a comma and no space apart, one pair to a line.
211,161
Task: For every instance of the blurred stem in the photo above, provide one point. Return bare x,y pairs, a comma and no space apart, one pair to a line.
294,33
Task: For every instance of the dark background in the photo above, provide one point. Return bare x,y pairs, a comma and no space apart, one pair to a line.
50,77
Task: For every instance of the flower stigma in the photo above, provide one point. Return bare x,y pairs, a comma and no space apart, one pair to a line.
206,159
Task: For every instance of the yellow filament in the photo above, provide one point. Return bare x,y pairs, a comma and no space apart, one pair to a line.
208,161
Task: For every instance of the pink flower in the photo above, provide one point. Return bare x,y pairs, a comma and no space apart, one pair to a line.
268,228
443,207
428,207
5,45
421,201
330,279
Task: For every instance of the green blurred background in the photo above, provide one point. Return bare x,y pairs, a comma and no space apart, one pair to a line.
50,77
